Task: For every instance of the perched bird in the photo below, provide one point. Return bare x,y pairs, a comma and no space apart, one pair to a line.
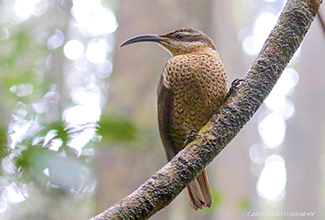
192,86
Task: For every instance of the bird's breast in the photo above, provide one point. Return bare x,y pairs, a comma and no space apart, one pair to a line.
198,83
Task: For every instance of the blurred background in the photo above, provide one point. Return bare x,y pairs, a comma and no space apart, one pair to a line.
78,126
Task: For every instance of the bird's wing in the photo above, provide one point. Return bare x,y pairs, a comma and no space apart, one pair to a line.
165,107
172,142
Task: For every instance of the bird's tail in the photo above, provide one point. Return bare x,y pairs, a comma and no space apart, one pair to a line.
198,192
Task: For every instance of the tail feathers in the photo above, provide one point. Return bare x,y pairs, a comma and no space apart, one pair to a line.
198,192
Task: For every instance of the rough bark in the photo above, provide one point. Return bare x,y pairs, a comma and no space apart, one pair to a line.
245,98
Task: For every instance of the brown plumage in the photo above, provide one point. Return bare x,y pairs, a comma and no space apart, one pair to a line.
191,89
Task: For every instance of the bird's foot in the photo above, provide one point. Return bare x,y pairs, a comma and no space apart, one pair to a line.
234,86
190,136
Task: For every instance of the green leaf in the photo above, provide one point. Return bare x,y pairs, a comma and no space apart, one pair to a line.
113,129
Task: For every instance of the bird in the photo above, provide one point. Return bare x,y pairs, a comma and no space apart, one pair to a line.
191,89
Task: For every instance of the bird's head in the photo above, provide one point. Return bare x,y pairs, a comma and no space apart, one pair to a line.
181,41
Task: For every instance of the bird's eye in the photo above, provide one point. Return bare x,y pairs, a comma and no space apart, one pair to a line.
180,36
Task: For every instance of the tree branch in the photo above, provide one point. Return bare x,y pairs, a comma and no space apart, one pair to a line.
245,97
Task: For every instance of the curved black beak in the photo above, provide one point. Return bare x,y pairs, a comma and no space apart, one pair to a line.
143,38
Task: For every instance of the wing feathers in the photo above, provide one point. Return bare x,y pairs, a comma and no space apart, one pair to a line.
165,107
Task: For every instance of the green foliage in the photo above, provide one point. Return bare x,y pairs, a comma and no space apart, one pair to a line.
47,157
60,128
113,129
36,156
32,162
3,143
12,79
63,163
244,204
19,43
3,146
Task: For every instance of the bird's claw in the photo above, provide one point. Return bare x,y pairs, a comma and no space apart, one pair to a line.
234,85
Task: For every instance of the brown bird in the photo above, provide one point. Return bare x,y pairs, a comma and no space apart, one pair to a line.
193,85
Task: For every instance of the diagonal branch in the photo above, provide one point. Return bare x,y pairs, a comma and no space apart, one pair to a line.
245,97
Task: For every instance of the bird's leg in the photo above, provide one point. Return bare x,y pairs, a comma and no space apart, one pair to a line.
190,136
234,86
